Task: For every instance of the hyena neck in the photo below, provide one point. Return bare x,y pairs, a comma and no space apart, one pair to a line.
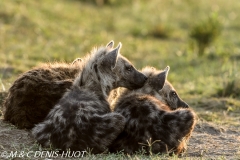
143,91
123,92
92,78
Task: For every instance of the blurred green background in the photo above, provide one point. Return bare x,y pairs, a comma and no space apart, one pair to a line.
199,40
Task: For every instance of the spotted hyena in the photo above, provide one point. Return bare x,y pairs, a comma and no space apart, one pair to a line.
82,119
167,95
151,125
35,92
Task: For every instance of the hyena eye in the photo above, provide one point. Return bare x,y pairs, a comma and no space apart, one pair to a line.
173,93
129,68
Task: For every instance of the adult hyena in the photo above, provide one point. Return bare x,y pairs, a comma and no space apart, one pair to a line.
152,126
35,92
82,119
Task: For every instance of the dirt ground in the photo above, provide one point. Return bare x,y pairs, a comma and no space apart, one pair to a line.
214,142
208,141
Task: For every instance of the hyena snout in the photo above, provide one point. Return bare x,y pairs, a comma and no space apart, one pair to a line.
182,104
138,80
132,80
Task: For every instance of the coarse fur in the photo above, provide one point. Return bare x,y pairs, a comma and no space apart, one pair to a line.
167,95
82,119
35,92
152,126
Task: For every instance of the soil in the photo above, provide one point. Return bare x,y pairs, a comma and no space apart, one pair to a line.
208,141
211,141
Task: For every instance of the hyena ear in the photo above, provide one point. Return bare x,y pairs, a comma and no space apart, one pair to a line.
112,56
77,60
162,77
159,80
110,44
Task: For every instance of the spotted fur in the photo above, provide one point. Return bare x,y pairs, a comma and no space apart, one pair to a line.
82,119
35,92
167,95
151,125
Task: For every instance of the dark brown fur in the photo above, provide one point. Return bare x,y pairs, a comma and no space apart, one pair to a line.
35,92
152,126
167,95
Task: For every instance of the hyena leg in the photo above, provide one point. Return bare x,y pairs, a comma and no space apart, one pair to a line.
40,136
95,132
107,127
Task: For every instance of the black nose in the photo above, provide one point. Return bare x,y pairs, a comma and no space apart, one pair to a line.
185,105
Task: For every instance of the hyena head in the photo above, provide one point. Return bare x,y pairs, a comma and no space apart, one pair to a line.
127,75
170,97
109,68
159,87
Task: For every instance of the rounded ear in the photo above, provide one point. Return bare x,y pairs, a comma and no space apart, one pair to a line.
110,44
158,81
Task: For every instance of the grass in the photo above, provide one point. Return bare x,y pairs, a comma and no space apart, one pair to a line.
206,32
153,33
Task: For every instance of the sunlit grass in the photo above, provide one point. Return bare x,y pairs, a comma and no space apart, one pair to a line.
205,32
35,32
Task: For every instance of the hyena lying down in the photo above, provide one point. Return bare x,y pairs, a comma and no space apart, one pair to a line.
82,119
151,125
167,95
35,92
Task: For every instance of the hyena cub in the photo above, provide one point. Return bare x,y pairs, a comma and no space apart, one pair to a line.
152,126
167,95
35,92
82,119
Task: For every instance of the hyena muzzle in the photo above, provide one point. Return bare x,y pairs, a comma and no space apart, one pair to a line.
151,126
82,119
35,92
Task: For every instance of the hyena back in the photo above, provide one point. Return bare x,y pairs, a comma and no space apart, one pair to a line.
35,92
151,125
82,119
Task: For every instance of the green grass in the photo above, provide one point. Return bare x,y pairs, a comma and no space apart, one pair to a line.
205,32
153,33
